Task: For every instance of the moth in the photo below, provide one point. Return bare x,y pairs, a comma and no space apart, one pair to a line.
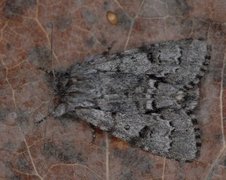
146,96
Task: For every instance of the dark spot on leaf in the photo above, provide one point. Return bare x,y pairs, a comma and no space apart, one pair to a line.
178,7
8,46
14,8
224,162
127,175
3,113
78,3
22,119
89,16
63,22
66,152
90,42
23,164
16,177
123,19
9,146
106,5
40,56
132,158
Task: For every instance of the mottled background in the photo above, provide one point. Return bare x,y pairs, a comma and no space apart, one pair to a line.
52,34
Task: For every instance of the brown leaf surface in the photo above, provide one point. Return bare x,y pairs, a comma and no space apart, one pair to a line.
50,34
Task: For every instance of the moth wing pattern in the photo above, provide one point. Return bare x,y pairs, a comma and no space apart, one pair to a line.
145,96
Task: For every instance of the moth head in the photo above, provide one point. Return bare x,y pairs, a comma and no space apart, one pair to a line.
60,83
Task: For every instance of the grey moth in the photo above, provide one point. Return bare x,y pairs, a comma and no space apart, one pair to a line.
146,96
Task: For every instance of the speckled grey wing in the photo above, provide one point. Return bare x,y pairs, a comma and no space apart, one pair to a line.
145,96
